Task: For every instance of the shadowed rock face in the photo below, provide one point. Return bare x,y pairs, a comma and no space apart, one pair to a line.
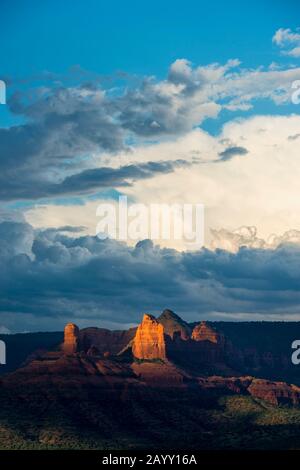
71,339
57,374
80,363
105,340
149,341
174,325
277,393
106,403
198,347
203,332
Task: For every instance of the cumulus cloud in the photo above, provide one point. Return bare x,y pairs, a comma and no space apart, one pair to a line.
258,189
233,240
247,237
51,278
16,237
66,130
143,136
191,94
288,41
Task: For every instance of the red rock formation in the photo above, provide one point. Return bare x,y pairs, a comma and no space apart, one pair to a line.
208,345
110,375
71,335
105,340
149,341
174,325
203,332
93,351
160,375
275,392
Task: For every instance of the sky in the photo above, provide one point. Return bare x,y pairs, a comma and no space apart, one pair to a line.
194,103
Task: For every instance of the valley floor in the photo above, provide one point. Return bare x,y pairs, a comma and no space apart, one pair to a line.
232,422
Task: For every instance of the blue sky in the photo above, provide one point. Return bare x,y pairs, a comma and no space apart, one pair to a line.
136,37
166,101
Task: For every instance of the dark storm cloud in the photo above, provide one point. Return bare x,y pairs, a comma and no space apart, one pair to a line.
70,228
48,278
87,181
231,152
98,178
63,127
52,152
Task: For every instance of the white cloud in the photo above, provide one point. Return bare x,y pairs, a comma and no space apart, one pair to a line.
259,188
85,121
192,94
247,237
288,40
283,36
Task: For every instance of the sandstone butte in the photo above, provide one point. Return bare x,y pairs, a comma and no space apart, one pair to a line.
174,326
203,332
169,338
149,340
71,335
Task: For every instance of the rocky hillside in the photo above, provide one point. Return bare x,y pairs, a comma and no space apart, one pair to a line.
205,348
260,349
61,400
163,384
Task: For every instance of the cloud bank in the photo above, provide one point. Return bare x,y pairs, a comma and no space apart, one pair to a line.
143,137
49,278
66,129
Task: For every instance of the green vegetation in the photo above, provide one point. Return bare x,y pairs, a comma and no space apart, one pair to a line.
167,421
